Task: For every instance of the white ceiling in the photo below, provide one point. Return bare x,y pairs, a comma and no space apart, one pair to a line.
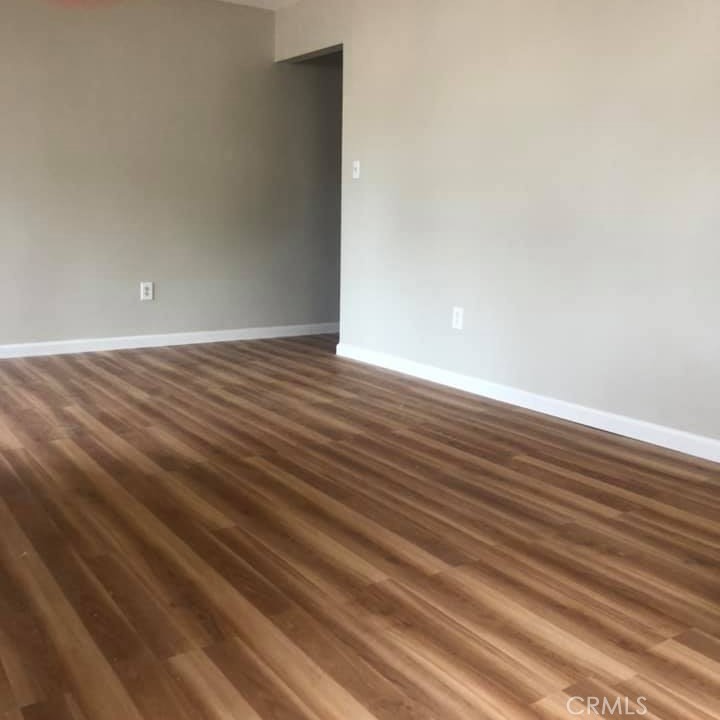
265,4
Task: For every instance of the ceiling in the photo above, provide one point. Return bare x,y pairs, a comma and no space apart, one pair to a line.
265,4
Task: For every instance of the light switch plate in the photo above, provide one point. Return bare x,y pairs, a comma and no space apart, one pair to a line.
458,318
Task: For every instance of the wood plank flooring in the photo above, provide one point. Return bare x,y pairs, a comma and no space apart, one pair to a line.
263,531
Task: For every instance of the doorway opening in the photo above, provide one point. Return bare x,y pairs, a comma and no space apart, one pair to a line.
324,192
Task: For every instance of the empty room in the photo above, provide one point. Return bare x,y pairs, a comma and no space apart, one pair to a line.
359,359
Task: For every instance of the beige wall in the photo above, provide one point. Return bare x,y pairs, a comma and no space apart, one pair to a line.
312,25
551,165
157,140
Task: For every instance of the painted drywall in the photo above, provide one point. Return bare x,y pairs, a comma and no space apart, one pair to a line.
311,25
158,140
553,167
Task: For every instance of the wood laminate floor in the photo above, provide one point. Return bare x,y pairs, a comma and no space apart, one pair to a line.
263,531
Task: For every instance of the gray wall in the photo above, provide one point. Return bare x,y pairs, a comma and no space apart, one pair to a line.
157,140
551,165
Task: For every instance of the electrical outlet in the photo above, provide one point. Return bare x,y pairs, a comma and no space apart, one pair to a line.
458,318
147,291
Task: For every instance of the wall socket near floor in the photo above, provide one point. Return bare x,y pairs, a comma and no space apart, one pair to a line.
458,318
147,291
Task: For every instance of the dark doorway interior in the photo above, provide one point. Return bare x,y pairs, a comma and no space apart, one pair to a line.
325,198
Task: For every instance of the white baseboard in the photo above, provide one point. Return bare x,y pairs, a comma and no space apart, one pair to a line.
65,347
696,445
